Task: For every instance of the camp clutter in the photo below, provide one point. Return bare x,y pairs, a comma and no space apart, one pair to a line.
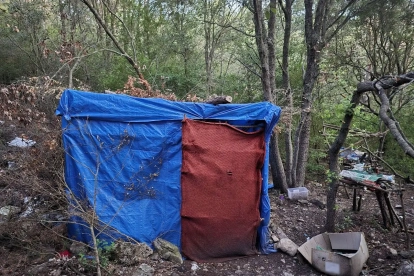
360,176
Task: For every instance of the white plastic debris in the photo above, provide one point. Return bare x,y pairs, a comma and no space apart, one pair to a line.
21,143
194,266
9,210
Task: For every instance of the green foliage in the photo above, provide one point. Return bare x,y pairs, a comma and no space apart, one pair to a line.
331,176
345,222
105,253
114,76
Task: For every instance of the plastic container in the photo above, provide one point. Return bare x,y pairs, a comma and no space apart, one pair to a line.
298,193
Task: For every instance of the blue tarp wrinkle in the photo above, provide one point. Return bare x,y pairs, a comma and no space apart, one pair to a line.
123,156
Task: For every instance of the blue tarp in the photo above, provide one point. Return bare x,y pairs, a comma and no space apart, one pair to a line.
123,156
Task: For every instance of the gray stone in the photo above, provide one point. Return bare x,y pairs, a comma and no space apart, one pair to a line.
280,233
275,238
128,253
154,256
405,269
168,251
393,252
56,272
40,269
287,246
77,248
144,270
407,254
9,210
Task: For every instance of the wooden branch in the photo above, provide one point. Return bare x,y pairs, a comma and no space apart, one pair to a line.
404,222
392,125
385,83
219,100
114,40
357,132
392,211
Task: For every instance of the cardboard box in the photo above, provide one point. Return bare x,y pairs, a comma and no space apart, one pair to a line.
298,193
336,253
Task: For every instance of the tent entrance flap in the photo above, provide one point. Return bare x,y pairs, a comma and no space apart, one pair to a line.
220,184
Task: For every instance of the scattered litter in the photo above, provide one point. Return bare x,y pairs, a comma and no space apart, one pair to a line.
351,154
336,253
194,266
359,167
65,255
27,199
9,210
21,143
298,193
11,165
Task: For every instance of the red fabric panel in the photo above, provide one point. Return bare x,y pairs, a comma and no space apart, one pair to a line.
220,184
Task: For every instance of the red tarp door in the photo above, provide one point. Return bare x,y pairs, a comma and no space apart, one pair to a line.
221,183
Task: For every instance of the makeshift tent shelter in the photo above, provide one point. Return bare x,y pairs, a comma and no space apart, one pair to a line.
194,174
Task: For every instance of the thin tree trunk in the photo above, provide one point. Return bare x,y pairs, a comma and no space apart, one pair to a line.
333,155
265,47
115,41
287,129
313,31
278,174
261,37
208,45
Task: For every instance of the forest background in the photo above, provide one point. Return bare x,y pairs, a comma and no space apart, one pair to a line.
309,57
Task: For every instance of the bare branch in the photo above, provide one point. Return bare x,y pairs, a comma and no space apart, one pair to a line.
114,40
125,27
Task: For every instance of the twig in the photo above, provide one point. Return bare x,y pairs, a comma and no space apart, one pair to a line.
381,267
405,225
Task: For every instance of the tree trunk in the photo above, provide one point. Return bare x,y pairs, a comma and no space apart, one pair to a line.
261,37
278,174
313,32
265,47
333,153
287,128
208,45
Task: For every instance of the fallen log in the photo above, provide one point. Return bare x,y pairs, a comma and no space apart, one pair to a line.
219,100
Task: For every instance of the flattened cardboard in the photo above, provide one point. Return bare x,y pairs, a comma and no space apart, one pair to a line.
336,253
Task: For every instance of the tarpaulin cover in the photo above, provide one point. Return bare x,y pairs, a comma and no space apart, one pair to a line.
220,182
123,158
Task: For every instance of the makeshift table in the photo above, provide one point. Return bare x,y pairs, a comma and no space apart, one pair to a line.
378,183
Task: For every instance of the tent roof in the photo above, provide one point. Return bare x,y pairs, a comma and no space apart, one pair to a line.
123,108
